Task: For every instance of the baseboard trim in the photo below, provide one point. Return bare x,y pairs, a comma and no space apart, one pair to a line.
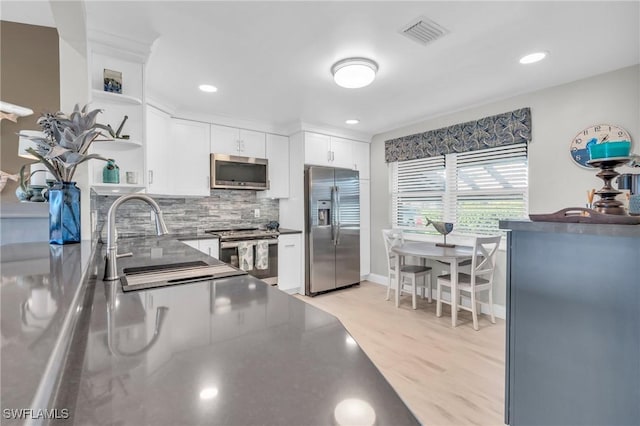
378,279
499,311
294,290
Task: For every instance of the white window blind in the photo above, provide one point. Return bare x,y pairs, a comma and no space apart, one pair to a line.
490,185
418,191
474,190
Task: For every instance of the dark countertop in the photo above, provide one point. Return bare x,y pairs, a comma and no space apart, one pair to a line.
232,351
631,231
40,284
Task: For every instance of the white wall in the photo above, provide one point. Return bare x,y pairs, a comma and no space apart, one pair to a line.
74,89
557,114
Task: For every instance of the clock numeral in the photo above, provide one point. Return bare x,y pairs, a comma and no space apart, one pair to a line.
596,128
586,132
620,133
578,141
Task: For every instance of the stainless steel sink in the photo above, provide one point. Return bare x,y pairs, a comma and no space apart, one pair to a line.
137,278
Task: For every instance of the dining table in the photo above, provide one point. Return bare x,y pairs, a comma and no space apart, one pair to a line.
428,250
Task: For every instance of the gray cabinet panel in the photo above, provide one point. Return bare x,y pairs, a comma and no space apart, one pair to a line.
573,329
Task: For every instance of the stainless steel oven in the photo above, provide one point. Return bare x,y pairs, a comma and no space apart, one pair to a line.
231,239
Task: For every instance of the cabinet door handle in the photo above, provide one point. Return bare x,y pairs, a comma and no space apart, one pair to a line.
333,156
289,245
328,155
150,177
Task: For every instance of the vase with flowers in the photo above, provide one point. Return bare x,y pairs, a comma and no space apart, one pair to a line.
63,146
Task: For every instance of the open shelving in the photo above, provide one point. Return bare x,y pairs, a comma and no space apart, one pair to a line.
128,154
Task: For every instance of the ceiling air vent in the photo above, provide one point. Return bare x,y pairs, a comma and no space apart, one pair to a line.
423,30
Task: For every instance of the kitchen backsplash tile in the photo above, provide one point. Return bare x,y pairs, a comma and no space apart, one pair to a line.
222,209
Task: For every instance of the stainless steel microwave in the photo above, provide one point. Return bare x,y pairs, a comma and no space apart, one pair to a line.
233,172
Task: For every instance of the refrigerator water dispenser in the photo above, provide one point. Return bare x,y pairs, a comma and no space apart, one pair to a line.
324,212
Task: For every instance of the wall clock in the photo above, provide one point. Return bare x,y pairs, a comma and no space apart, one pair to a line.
579,148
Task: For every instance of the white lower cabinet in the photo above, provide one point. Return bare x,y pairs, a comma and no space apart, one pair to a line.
192,243
290,279
209,246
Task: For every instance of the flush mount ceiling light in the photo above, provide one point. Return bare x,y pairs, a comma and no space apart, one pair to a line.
208,88
352,121
533,57
354,73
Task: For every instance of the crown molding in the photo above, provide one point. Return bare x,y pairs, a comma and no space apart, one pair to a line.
120,47
302,126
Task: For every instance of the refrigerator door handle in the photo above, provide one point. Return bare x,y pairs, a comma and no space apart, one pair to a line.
332,215
338,214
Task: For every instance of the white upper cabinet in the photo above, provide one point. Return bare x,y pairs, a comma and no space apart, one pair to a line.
341,153
361,158
189,157
177,155
317,149
330,151
234,141
252,144
278,156
159,167
224,140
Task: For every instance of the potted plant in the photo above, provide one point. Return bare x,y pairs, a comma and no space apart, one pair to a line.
65,145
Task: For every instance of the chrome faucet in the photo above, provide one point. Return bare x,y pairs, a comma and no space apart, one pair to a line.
111,268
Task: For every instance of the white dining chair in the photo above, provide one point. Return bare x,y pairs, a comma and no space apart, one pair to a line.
483,264
409,274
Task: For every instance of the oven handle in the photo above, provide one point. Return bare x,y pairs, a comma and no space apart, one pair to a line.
234,244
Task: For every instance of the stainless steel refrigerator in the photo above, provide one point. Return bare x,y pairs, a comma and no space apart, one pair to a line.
332,229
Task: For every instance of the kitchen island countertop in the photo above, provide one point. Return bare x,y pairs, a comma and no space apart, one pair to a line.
231,351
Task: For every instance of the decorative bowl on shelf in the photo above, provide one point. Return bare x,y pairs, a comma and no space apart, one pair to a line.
609,149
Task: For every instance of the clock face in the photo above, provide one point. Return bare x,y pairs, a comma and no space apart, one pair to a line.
601,133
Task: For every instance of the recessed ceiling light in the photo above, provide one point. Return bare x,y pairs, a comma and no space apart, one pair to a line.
533,57
354,73
208,393
208,88
352,121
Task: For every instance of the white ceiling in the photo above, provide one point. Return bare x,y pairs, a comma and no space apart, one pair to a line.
271,60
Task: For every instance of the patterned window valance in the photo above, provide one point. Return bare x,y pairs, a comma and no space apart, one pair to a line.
488,132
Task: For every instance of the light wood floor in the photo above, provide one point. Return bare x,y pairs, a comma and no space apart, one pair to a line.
447,376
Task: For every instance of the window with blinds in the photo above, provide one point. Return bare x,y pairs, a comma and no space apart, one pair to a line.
418,191
474,190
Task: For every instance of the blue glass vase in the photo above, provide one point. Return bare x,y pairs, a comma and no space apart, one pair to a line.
64,213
